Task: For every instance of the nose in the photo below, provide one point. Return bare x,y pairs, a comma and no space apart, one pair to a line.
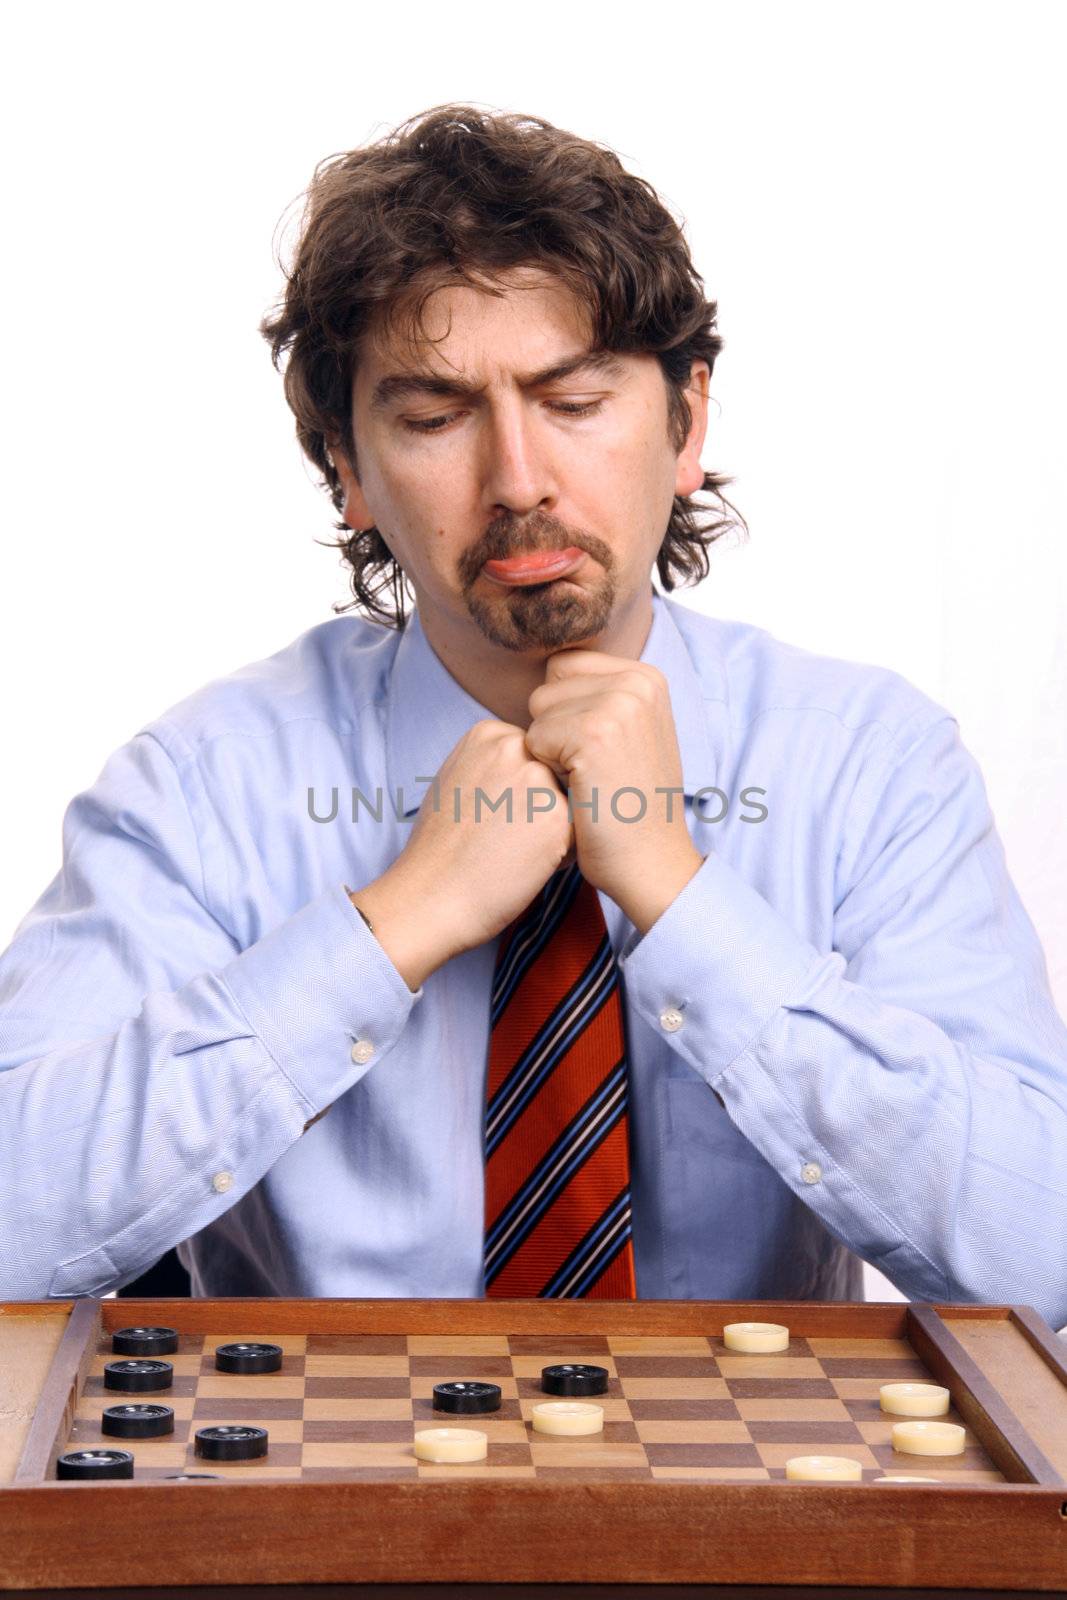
517,471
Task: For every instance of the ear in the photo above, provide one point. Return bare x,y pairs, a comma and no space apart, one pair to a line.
355,510
689,474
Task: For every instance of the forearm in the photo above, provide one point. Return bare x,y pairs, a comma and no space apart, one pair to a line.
124,1145
938,1160
941,1166
116,1147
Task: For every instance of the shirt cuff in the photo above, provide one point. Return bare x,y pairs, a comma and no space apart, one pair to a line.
323,996
715,967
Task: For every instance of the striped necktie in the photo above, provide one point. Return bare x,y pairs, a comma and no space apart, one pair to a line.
557,1170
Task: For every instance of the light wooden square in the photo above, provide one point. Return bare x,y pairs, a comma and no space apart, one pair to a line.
356,1366
793,1410
397,1453
249,1386
357,1410
762,1366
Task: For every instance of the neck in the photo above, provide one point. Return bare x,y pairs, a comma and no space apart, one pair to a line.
503,680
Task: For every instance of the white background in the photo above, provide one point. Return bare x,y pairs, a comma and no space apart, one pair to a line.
873,193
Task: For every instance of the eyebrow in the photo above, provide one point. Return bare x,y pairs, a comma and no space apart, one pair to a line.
402,385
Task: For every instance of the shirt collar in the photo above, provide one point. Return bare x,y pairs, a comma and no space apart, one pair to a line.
428,712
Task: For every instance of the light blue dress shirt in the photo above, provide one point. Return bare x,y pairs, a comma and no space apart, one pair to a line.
842,1041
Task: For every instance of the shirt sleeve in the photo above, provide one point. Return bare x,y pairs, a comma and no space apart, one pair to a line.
151,1071
910,1085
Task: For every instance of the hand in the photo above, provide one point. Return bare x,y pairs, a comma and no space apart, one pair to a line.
458,883
603,724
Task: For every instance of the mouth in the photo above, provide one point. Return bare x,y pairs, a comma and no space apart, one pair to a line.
535,566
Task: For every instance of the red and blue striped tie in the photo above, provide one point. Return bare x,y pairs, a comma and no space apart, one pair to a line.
557,1167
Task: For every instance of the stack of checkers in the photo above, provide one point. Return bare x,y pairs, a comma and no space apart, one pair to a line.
348,1407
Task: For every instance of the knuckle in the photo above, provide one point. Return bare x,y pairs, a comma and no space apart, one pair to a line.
645,680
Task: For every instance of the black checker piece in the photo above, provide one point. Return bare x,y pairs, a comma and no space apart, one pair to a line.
138,1376
573,1378
248,1357
137,1421
144,1341
231,1442
466,1399
95,1464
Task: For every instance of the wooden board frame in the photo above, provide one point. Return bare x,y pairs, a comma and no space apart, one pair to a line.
1003,1536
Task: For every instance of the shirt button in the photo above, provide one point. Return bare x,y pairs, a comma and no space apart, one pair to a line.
811,1172
362,1050
671,1019
221,1182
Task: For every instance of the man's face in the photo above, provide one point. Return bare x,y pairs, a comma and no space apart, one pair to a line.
513,461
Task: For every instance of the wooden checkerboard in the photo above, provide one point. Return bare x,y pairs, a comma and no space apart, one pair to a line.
682,1407
686,1485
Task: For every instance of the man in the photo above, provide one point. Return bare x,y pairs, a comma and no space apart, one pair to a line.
562,941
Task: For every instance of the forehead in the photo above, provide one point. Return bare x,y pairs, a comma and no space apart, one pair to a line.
460,321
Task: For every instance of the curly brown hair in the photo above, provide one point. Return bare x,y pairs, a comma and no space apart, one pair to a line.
457,195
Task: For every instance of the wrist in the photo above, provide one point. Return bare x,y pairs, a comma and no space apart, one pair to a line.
397,918
649,894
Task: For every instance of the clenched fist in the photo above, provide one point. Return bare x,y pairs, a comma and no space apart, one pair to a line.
460,879
604,725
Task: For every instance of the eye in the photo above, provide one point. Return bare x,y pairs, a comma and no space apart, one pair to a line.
564,408
587,408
